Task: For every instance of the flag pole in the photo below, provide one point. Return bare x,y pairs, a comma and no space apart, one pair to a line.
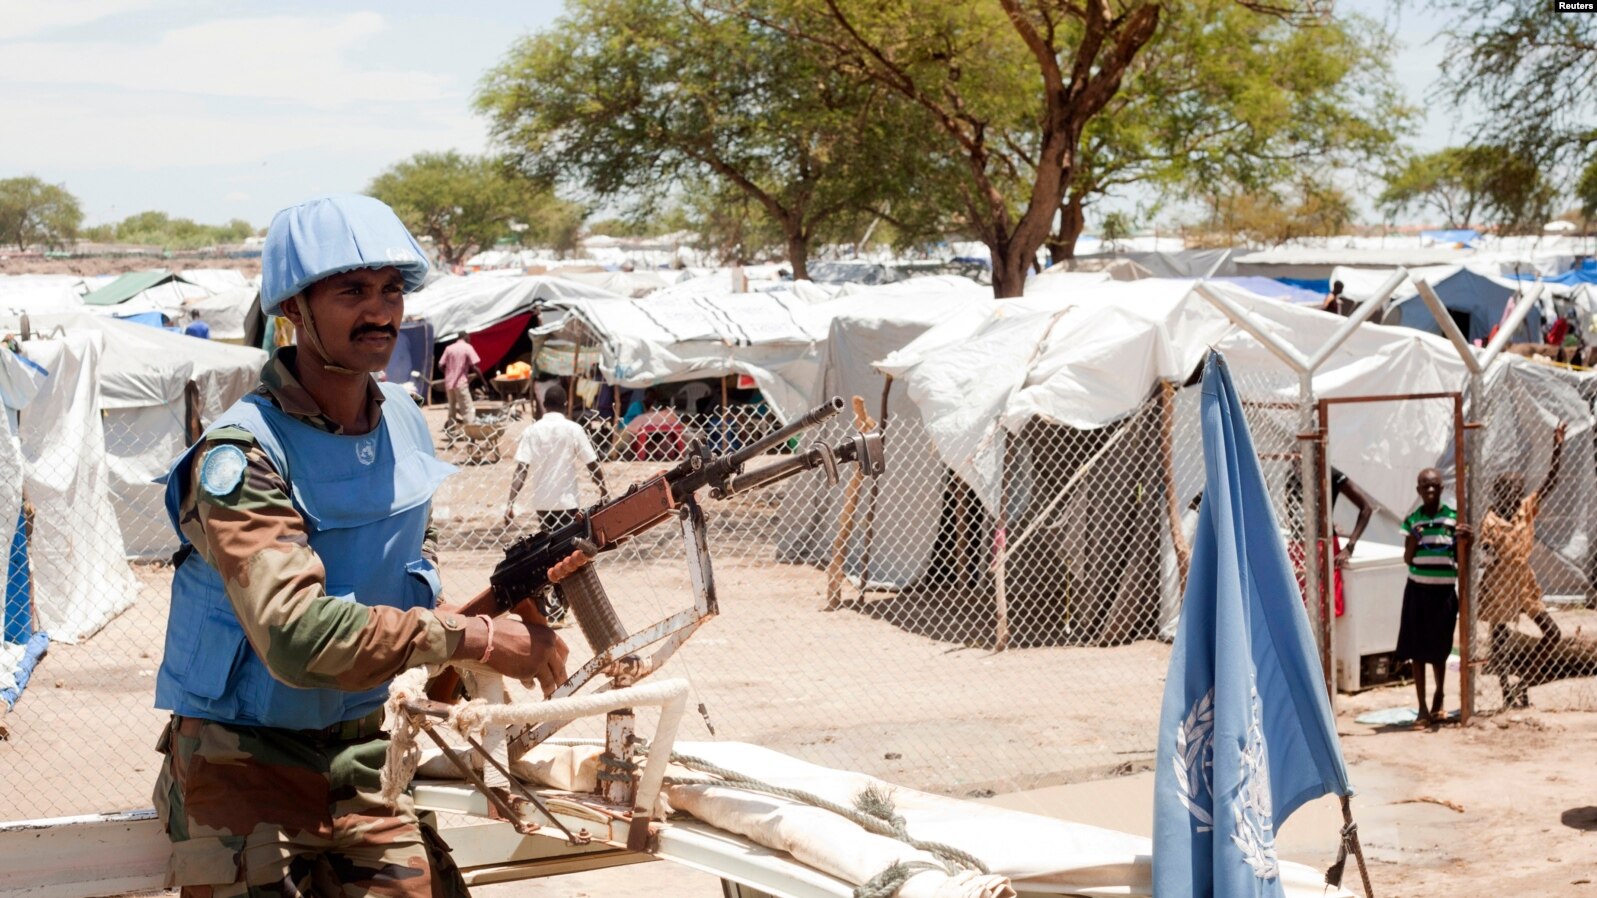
1350,844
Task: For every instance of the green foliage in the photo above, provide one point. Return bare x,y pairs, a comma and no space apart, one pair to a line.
1116,226
33,213
1270,217
630,98
468,203
159,229
1527,71
1473,186
1586,191
1224,100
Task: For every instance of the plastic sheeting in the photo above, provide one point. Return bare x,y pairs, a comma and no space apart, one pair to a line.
774,337
80,582
1091,360
454,305
904,505
143,373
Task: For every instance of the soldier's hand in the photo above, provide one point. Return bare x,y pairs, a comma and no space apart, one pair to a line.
528,652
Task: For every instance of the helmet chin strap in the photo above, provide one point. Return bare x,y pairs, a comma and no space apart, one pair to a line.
309,327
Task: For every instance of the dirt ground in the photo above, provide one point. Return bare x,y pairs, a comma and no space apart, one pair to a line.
1502,806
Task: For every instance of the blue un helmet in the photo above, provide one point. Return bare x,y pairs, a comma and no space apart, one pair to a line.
330,235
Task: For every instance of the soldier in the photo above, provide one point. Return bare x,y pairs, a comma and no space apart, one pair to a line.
305,582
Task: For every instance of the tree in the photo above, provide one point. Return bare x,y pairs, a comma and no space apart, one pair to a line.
1222,94
1472,186
35,213
1270,217
632,97
469,203
1526,69
1586,191
1010,87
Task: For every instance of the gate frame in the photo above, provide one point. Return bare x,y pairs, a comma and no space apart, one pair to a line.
1463,469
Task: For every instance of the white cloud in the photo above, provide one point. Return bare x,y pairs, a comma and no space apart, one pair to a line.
300,59
23,17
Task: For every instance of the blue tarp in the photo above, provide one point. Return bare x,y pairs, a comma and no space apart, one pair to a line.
1585,274
1275,288
1466,236
19,588
1317,286
19,614
1477,303
37,646
148,319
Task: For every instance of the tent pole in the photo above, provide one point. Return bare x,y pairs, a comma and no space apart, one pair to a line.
571,394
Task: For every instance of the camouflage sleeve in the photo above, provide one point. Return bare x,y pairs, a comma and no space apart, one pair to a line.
256,539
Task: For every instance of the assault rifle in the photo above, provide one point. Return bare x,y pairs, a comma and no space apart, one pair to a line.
521,582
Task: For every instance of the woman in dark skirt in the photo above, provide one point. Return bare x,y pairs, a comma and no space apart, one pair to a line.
1430,598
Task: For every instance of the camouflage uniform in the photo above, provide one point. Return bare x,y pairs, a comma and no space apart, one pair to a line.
266,811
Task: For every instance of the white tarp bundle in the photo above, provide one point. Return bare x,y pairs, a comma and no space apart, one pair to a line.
1023,852
454,305
80,580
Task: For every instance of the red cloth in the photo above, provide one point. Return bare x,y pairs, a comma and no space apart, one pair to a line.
1555,334
493,341
1295,552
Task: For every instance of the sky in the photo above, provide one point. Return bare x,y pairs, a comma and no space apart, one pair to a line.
218,109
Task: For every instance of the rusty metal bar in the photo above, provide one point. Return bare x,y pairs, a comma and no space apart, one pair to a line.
1466,612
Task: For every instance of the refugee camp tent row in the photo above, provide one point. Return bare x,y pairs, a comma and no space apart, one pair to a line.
773,337
1014,402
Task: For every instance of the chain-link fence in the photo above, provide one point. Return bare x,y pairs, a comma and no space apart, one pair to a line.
1534,584
858,620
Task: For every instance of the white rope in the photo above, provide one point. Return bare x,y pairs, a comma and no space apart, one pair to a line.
399,767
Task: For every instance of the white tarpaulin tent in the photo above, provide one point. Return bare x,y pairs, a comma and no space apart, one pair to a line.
1477,300
454,305
860,333
80,581
1091,359
225,312
775,337
144,373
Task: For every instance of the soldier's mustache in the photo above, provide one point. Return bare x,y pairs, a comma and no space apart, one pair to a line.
363,330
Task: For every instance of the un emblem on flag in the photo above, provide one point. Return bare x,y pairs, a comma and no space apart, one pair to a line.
1194,762
1253,826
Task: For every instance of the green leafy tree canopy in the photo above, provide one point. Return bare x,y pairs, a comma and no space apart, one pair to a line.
34,213
469,203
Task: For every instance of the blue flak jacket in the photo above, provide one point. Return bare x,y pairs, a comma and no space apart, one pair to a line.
365,500
1246,734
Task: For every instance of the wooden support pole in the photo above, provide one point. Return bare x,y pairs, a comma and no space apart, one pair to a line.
845,520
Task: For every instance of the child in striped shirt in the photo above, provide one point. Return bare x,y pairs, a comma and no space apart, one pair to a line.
1430,598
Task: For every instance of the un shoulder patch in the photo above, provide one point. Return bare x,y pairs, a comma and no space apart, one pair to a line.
222,470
